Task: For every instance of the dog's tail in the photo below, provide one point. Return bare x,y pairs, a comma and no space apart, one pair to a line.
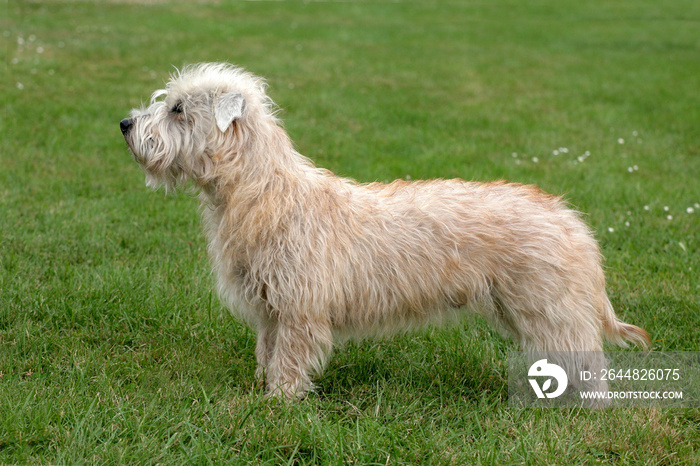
619,332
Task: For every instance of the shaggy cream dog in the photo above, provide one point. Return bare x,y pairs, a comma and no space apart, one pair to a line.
307,258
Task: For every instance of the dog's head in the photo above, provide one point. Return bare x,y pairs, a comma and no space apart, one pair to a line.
190,124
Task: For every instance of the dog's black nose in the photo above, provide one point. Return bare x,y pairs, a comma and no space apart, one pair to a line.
126,124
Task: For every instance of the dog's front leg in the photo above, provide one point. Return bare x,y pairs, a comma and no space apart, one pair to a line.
267,332
300,349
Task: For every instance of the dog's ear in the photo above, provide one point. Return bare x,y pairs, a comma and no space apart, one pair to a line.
228,108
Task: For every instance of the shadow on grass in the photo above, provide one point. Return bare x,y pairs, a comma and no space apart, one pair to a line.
440,364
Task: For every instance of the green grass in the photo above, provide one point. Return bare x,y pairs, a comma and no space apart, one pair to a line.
113,348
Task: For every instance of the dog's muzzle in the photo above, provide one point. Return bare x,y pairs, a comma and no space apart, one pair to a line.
126,125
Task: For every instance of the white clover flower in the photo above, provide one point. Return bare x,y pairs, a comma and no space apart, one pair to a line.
535,159
620,141
666,208
611,229
646,207
690,210
670,217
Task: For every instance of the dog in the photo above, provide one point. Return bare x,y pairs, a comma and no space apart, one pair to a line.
309,259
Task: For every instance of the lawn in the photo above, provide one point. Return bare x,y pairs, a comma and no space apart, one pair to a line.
114,347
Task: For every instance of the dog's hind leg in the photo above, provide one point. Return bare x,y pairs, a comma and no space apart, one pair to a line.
565,328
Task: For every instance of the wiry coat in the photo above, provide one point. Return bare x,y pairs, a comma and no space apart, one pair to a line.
307,258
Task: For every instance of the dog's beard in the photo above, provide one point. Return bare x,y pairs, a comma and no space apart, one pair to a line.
140,153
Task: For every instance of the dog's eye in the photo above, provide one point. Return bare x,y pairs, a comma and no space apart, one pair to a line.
177,108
